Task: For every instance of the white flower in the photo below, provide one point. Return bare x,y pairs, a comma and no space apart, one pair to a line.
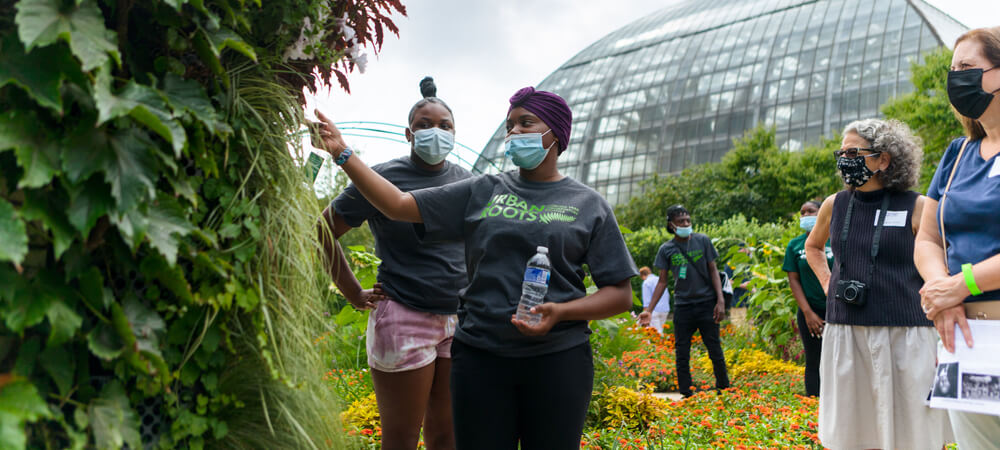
353,51
345,29
348,33
362,62
298,49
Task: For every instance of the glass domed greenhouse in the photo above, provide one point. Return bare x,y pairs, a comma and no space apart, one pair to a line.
674,88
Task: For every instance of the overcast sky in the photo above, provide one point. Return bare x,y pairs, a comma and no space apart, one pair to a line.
481,52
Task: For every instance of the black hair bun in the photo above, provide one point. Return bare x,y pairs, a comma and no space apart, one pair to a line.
428,88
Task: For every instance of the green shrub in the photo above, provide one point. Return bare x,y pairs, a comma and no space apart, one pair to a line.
157,245
621,407
771,306
644,243
610,340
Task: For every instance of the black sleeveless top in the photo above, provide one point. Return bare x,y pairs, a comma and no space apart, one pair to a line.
893,297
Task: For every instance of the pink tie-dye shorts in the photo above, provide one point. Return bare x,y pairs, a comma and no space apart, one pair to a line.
400,338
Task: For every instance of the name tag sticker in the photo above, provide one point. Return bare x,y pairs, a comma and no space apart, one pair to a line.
892,218
995,170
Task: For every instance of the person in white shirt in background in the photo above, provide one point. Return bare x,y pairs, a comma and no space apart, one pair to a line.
659,315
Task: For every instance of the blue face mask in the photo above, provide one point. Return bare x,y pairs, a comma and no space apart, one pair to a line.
433,144
807,222
683,231
525,150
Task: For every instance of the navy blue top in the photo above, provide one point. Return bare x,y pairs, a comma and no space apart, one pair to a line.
972,209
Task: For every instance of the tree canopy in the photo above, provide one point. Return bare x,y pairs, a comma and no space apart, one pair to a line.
756,179
927,111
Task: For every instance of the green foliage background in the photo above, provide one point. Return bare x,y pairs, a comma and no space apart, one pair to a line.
157,248
927,110
755,179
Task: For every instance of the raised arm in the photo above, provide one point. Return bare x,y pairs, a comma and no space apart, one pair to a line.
816,243
386,197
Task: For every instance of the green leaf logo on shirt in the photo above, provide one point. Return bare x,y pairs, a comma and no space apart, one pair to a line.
678,259
511,207
550,217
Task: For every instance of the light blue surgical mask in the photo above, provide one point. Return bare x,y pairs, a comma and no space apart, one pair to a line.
807,222
433,144
683,231
525,150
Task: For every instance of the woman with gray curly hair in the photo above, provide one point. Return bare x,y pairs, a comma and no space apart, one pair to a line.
878,347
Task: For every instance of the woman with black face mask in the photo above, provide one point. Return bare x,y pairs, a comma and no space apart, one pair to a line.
878,355
958,248
415,302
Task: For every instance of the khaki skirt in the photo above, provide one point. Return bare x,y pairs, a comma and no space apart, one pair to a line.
874,383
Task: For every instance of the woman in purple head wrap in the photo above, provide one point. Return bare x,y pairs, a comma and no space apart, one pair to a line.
519,378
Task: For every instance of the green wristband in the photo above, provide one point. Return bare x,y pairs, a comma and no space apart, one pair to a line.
970,281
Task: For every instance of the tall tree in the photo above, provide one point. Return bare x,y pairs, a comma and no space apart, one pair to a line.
927,110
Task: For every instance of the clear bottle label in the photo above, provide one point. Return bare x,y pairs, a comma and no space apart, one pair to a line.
536,275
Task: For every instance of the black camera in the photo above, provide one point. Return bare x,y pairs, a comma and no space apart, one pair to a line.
851,292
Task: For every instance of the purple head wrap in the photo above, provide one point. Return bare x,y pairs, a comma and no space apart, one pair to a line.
549,107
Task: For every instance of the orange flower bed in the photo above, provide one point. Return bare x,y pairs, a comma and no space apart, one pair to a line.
761,413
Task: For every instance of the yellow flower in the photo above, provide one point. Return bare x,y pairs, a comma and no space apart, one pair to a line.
752,361
623,407
362,414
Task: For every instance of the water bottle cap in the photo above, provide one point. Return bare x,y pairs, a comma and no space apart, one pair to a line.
542,249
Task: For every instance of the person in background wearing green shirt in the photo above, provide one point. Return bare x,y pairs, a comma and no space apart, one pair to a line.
808,294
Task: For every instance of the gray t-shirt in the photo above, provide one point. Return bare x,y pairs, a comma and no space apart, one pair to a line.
425,276
502,219
690,283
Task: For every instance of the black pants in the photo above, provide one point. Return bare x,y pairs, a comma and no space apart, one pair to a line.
540,401
812,347
687,320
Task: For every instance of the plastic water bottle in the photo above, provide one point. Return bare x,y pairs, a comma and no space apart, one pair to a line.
535,285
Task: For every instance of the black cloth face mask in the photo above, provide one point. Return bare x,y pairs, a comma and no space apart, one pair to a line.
854,171
965,91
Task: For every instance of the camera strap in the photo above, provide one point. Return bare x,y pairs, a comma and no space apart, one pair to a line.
875,239
691,261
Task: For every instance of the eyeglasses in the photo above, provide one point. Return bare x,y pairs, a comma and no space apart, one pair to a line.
853,153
